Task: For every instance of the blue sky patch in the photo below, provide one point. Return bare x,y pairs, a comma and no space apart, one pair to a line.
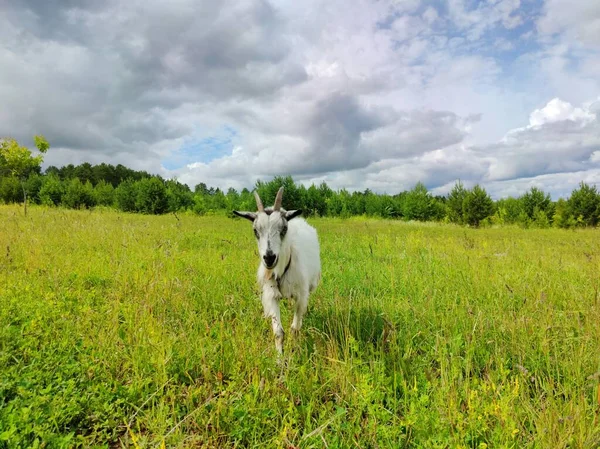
204,149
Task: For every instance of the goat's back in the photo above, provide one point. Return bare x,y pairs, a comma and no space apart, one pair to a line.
305,250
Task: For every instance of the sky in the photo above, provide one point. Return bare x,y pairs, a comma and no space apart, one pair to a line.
377,94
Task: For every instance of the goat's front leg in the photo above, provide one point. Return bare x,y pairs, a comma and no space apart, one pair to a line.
300,308
270,301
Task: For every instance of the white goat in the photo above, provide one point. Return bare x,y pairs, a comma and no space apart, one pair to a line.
290,263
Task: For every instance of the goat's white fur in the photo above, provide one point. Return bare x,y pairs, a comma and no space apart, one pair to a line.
299,252
301,244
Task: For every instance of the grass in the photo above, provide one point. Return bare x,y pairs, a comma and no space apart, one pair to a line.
121,330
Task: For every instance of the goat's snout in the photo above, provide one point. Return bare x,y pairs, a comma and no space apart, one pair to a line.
270,258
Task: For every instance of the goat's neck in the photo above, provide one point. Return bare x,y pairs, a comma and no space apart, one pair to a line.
284,257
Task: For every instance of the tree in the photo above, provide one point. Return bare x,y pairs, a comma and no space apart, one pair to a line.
232,199
456,197
509,210
179,196
151,196
291,195
477,206
52,170
20,162
104,193
104,172
33,184
536,201
316,199
84,172
562,217
201,189
125,195
51,191
373,204
217,200
584,205
79,195
417,203
10,189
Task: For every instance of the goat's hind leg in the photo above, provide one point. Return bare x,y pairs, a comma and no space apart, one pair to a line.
270,301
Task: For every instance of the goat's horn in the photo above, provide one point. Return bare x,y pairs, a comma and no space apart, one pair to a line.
259,203
278,198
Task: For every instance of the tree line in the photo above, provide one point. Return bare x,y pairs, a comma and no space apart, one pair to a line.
88,186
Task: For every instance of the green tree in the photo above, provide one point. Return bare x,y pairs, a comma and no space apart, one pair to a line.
79,195
246,200
509,211
104,193
179,196
456,197
232,199
291,195
356,203
313,201
10,189
199,206
51,191
33,184
201,189
84,172
536,200
373,204
151,197
417,204
477,206
19,162
335,205
216,200
388,209
584,205
562,217
125,195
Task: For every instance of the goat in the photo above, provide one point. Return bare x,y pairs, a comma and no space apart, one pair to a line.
290,263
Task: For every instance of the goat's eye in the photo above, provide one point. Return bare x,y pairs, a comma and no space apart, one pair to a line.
283,231
255,233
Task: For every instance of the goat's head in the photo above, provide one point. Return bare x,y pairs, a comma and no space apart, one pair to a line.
270,227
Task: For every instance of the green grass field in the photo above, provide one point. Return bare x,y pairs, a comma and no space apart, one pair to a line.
120,330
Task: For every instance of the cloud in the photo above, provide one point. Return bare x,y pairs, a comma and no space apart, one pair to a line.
579,20
557,111
560,138
360,94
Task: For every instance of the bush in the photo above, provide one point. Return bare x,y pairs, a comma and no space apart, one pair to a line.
79,195
33,185
51,191
10,190
151,197
125,196
104,194
179,196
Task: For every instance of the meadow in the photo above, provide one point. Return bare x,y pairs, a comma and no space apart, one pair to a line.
126,330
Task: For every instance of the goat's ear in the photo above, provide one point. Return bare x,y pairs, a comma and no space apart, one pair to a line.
247,215
292,214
